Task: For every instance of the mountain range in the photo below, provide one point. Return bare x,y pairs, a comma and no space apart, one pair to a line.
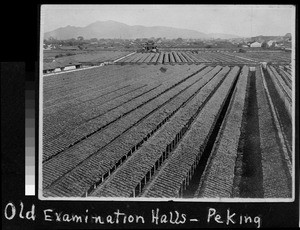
113,29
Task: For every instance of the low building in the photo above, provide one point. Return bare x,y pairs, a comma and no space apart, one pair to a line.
150,46
51,67
271,43
255,44
159,41
69,67
54,67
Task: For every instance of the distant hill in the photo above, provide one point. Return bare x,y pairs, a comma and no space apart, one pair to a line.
112,29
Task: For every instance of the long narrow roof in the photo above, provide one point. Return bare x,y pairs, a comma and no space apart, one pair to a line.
54,65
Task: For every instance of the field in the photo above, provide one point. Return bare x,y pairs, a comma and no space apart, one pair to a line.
178,124
276,56
180,57
51,54
203,56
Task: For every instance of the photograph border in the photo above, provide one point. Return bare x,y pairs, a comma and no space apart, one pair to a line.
140,199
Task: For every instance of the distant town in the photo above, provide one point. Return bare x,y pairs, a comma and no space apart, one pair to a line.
80,43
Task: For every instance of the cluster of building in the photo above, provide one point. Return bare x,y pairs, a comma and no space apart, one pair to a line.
150,46
138,43
268,44
281,42
54,67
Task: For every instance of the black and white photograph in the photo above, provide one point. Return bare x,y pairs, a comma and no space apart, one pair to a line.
188,103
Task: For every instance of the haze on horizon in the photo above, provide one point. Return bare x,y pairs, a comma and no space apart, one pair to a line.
241,20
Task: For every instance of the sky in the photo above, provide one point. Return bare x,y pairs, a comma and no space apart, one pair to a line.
241,20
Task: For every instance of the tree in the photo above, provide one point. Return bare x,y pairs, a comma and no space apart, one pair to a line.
71,42
80,38
264,45
179,40
94,40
